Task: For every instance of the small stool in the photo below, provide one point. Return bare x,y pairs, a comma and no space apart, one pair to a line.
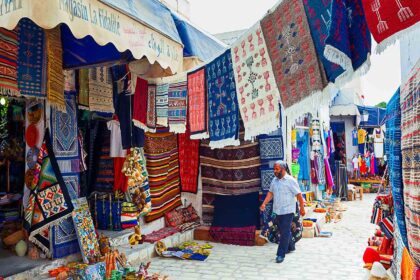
359,193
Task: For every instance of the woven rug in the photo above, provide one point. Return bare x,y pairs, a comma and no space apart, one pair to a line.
83,93
100,90
410,145
161,154
189,162
242,236
8,62
207,202
104,169
271,146
267,176
49,201
32,60
393,154
348,21
177,105
255,83
390,20
223,103
319,19
140,103
295,62
197,104
162,104
64,239
231,170
151,107
55,80
160,234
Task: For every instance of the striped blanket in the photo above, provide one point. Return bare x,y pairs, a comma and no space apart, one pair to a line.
410,145
8,62
177,105
161,152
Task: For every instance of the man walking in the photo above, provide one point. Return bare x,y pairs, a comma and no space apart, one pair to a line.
284,189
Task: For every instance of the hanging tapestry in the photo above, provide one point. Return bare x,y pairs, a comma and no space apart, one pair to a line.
189,162
162,104
85,230
271,146
207,208
410,146
348,43
231,170
295,62
8,62
197,104
393,154
64,239
104,170
83,92
390,20
267,176
223,102
140,103
32,60
100,90
177,105
55,80
49,201
151,107
257,91
161,154
319,19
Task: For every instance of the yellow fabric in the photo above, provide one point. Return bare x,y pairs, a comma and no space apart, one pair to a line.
55,77
360,161
294,135
361,136
407,266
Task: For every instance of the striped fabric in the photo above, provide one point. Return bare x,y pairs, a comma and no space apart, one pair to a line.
231,170
410,145
161,152
8,62
177,106
162,104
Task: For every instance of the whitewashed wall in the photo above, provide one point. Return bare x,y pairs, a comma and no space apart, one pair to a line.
410,53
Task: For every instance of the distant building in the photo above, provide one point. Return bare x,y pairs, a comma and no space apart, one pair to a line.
230,37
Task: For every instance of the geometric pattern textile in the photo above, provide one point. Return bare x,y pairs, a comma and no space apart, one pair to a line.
8,62
100,90
197,104
177,104
189,162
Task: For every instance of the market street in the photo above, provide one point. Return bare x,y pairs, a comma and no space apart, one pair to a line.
340,256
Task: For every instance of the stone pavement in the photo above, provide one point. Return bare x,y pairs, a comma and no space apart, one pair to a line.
338,257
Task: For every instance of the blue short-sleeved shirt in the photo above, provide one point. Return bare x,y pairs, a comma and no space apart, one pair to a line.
284,192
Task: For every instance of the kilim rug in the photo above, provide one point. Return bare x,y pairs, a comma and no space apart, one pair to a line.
319,19
348,43
100,90
267,176
390,20
295,62
49,201
161,154
393,154
410,145
151,107
189,162
223,103
177,104
8,62
162,104
104,169
271,146
231,170
83,94
257,91
140,103
32,59
64,239
242,236
55,79
197,104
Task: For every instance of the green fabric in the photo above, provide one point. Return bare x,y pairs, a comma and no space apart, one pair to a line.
295,169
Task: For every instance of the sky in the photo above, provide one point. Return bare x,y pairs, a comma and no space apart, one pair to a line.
218,16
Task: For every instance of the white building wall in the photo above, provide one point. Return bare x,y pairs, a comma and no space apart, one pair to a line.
410,53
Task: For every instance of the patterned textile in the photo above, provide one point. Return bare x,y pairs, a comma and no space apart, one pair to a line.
348,43
105,169
393,154
267,176
208,208
295,62
83,94
64,239
255,82
410,146
8,62
86,234
319,19
161,154
231,170
242,236
32,60
151,107
197,104
100,90
321,169
189,162
140,104
398,250
177,105
69,81
49,202
271,147
223,103
389,20
160,234
162,104
55,80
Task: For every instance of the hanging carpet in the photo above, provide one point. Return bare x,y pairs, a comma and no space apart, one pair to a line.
197,104
189,162
177,104
8,62
151,108
162,104
83,86
100,90
140,103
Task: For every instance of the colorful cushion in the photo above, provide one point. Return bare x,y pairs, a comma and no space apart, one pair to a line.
174,218
189,214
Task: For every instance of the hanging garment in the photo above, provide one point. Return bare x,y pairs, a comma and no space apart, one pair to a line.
354,137
303,143
378,142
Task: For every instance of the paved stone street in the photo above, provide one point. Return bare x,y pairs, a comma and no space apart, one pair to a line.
338,257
